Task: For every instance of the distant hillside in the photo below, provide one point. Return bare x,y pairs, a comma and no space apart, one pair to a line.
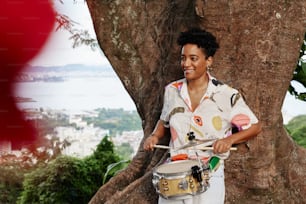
297,129
61,73
297,122
68,68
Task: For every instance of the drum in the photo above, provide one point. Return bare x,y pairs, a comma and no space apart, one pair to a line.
179,179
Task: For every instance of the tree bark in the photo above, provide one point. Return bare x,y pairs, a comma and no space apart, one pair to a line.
260,44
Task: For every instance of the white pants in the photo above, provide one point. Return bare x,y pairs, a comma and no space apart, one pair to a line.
215,194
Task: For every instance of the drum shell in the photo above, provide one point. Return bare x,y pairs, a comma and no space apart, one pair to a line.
174,180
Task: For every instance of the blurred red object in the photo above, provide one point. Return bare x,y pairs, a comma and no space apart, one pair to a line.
25,27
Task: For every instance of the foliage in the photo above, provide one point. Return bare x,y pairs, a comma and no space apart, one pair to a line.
299,74
297,129
68,179
10,182
116,120
14,167
114,168
100,159
78,36
56,183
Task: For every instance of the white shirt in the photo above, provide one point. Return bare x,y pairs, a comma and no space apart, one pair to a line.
220,108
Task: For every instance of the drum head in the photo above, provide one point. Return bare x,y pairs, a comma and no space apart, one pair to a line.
176,167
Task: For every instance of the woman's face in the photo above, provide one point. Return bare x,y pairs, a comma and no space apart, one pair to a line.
194,62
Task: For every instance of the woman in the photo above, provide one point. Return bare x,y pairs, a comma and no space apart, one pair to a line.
201,105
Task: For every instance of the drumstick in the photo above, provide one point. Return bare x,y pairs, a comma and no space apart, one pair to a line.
202,148
161,147
211,148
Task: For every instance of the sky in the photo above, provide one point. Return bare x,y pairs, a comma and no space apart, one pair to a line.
58,51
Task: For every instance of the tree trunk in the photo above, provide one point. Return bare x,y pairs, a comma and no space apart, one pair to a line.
260,45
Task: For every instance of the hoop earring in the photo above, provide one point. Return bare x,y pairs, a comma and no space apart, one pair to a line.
209,68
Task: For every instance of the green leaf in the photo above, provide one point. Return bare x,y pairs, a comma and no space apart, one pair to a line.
304,67
114,168
302,96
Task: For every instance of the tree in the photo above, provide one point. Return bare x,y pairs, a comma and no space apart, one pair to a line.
68,179
42,185
259,42
12,174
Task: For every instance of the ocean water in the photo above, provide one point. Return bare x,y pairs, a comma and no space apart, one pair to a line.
75,94
91,92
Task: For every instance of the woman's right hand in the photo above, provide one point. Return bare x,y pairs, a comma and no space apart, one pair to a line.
150,142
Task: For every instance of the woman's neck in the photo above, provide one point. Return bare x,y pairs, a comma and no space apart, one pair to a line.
198,84
196,90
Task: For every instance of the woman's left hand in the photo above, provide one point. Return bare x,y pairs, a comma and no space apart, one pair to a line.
222,145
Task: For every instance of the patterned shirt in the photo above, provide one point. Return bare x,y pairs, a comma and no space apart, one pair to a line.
220,109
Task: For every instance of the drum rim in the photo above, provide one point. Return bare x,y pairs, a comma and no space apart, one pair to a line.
173,175
172,163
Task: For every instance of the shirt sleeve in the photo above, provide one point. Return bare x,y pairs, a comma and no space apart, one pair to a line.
166,107
241,116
